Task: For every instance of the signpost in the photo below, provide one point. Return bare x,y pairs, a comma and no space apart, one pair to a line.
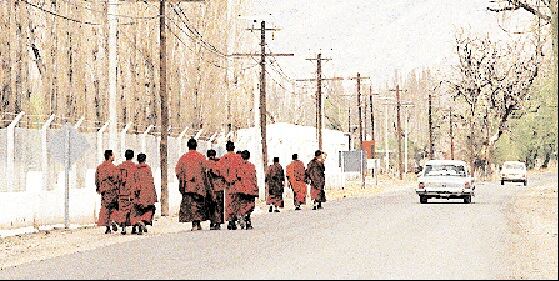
66,147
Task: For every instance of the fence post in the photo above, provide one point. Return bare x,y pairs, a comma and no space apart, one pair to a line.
100,152
123,138
229,135
197,136
73,173
44,155
10,156
143,139
179,140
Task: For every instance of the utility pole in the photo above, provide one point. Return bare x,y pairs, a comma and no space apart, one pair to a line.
358,78
318,98
262,97
407,120
372,120
451,135
399,131
359,103
113,59
349,126
431,144
164,110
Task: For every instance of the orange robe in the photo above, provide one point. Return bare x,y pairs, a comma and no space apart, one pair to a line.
231,171
145,196
296,177
191,172
107,180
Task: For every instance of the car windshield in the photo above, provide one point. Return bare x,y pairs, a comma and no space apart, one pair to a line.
514,166
445,170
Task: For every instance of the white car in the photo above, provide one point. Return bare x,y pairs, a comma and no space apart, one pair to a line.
448,179
514,171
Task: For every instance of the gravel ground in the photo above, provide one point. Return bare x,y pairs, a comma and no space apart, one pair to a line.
533,223
389,235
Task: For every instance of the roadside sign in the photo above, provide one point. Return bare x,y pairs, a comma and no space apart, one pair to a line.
67,146
78,145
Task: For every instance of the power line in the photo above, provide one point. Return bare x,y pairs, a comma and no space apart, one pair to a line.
67,18
59,15
196,32
109,14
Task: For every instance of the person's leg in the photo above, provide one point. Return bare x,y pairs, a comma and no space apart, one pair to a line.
248,222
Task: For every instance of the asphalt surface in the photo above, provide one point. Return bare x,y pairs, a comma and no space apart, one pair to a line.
389,236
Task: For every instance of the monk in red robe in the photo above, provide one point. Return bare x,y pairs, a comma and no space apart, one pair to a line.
216,186
275,183
107,180
191,173
125,191
315,175
230,170
145,196
296,178
248,192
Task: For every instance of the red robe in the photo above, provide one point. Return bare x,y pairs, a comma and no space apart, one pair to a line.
145,196
315,174
275,181
231,171
296,177
125,192
107,180
191,172
216,186
249,189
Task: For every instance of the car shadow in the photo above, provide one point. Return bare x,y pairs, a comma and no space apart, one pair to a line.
450,203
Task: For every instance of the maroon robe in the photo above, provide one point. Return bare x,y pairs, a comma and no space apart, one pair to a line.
191,173
249,189
230,165
125,192
107,180
275,182
145,196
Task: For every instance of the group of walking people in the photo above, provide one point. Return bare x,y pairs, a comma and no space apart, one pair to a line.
222,190
128,193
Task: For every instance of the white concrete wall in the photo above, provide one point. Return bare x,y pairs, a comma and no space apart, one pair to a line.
284,139
36,206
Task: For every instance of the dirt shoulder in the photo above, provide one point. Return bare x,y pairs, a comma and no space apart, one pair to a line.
532,219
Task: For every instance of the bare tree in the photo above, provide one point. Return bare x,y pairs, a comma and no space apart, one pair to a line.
494,80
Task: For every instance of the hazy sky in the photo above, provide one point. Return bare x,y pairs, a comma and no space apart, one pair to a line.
374,37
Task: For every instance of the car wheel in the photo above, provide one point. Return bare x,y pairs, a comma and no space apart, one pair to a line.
422,199
525,182
502,182
468,199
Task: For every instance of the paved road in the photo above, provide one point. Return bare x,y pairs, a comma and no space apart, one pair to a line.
389,236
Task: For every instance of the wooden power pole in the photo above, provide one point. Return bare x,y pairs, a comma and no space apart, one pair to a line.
431,144
164,110
163,95
262,97
399,130
318,97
